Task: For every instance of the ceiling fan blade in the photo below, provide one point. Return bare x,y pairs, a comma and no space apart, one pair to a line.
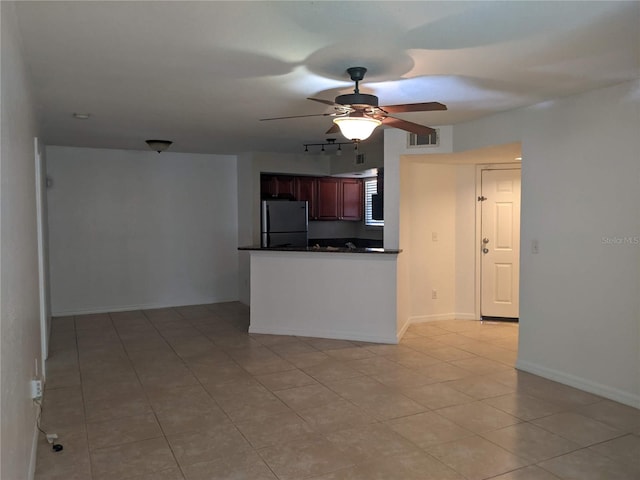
300,116
408,126
326,102
334,129
414,107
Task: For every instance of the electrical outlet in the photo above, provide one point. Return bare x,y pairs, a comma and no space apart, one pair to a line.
36,389
434,236
535,247
434,294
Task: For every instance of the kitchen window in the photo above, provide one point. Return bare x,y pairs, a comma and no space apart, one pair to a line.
370,188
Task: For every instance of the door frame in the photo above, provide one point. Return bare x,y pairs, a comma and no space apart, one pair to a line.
43,281
478,235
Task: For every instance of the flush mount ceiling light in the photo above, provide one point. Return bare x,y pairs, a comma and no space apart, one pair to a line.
357,128
81,116
159,145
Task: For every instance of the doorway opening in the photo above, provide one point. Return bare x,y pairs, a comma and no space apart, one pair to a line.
440,235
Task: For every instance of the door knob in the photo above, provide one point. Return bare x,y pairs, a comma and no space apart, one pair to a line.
485,250
485,240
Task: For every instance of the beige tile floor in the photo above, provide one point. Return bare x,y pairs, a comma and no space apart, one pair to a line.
187,393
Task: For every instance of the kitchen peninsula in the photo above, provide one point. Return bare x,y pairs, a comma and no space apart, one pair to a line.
324,292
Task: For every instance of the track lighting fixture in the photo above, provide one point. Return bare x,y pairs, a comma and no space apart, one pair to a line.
330,143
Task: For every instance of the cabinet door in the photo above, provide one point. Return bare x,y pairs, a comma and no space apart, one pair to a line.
286,186
268,186
277,186
307,189
352,199
328,198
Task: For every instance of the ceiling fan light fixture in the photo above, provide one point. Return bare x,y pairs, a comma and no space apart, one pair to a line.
357,128
159,145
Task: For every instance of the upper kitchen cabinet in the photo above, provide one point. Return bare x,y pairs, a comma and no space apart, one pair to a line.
328,198
351,199
277,186
340,199
307,189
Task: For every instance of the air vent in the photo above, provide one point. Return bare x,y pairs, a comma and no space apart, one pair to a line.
359,159
420,141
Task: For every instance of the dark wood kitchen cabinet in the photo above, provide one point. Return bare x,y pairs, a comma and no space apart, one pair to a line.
282,186
339,199
328,198
350,199
307,189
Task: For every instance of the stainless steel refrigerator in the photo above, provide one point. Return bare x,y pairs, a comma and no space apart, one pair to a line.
284,224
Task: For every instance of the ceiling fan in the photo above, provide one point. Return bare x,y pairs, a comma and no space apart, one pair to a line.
357,114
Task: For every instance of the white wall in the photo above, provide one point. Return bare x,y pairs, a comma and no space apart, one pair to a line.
401,230
428,196
395,146
246,198
20,304
438,198
580,296
373,157
325,295
428,204
138,229
466,246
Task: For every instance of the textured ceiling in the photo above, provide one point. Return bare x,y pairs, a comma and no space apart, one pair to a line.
203,73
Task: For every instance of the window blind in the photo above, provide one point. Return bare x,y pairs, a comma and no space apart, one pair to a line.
370,187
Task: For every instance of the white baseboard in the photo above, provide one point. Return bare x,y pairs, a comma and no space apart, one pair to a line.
467,316
34,453
442,316
127,308
431,318
402,330
338,335
615,394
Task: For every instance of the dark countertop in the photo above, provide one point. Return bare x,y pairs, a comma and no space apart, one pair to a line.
321,249
342,242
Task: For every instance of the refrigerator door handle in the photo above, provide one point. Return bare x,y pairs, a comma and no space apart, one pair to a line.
268,218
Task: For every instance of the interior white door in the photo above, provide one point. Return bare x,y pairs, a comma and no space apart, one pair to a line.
500,243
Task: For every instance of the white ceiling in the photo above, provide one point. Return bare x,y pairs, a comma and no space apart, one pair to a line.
203,73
